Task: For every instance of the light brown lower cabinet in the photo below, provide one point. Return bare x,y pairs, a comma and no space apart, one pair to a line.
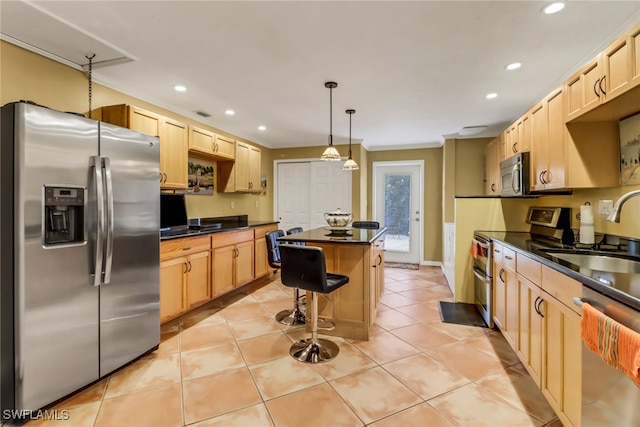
377,275
232,260
260,246
546,333
194,270
185,275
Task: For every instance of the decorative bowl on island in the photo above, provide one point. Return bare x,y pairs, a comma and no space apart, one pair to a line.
338,219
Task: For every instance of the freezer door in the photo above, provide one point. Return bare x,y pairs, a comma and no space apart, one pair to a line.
130,294
55,302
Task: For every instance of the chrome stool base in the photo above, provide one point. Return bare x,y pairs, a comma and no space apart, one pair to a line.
291,317
310,351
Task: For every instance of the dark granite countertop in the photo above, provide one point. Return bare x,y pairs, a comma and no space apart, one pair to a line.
625,287
225,224
361,236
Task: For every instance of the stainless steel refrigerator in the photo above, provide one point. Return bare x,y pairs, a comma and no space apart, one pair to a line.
79,252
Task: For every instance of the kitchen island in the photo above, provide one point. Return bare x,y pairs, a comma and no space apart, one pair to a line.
359,254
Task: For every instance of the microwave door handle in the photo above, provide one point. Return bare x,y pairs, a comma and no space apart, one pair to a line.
516,174
96,164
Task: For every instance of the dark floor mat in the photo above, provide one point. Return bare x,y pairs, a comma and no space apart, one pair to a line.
460,313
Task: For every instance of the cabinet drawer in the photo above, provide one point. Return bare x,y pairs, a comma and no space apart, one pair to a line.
259,232
509,258
562,287
179,247
497,253
219,240
529,268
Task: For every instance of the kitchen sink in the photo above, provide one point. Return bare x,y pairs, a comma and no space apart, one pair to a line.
599,261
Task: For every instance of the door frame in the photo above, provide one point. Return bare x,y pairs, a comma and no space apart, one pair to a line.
420,163
275,180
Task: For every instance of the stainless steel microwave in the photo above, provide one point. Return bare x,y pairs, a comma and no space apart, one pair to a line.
514,175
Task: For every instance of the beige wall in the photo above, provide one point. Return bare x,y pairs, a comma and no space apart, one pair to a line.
463,171
469,166
432,193
25,75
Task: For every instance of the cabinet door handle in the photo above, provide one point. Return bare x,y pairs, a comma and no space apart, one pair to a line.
186,269
604,92
595,87
508,257
165,177
160,177
500,275
493,188
379,259
548,177
540,178
535,305
186,249
538,307
514,147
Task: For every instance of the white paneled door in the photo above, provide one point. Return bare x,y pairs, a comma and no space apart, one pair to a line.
306,190
397,204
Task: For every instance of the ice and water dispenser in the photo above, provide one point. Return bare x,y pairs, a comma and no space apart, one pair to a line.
63,215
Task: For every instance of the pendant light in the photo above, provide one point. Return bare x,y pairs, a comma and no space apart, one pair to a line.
330,153
350,164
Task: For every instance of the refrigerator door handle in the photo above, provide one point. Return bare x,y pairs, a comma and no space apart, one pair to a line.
96,164
109,199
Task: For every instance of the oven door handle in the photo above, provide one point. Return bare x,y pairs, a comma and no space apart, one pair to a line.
481,244
480,276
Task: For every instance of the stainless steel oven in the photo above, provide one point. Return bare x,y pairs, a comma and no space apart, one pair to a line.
482,272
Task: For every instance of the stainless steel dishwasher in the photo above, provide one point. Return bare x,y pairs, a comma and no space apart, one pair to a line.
609,397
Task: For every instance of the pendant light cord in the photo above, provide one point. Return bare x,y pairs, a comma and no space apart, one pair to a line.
90,58
330,116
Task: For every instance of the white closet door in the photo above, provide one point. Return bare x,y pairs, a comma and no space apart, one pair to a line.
306,190
330,189
294,195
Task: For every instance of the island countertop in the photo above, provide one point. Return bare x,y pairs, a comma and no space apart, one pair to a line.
362,236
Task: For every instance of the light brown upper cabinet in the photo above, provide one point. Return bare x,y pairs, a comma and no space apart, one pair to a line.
548,143
243,175
612,73
518,137
173,136
209,144
225,148
492,167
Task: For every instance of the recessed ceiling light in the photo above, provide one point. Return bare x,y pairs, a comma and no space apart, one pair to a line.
513,66
491,95
553,8
262,128
229,112
180,88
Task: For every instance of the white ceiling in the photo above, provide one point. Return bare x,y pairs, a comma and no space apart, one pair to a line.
415,72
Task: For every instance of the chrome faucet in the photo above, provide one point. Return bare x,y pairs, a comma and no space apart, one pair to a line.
614,216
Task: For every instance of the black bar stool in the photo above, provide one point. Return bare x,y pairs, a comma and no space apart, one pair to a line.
304,267
295,316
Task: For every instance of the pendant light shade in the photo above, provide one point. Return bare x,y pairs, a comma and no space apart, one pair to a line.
350,164
330,153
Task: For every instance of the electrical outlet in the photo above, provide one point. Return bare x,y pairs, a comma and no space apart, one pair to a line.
233,205
605,207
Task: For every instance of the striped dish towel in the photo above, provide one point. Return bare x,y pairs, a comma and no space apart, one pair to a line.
616,344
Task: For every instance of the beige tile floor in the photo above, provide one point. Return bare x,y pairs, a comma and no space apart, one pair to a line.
229,365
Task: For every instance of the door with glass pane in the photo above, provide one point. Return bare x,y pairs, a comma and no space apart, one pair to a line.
397,204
